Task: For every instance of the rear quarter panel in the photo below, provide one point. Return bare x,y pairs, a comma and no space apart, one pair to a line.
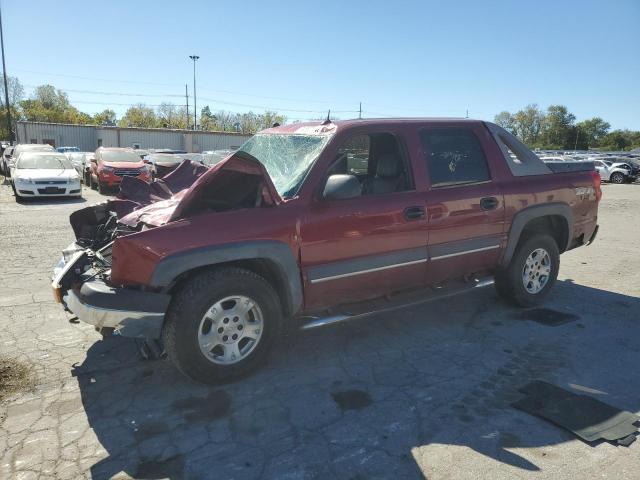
574,189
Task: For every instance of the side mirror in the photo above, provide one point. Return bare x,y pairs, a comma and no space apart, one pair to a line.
339,187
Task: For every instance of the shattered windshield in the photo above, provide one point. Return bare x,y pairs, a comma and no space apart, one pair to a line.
287,157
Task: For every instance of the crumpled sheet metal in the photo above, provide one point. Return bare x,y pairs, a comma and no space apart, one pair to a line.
174,197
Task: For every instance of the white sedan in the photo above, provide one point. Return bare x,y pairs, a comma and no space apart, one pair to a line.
613,172
44,174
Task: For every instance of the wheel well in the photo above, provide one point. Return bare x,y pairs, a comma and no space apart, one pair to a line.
554,225
267,269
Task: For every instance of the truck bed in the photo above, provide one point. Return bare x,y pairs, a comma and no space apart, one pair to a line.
562,167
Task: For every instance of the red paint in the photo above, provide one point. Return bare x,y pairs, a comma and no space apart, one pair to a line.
320,232
107,177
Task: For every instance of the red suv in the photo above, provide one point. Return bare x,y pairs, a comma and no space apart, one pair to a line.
110,165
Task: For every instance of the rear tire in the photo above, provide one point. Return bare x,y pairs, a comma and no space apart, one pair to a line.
532,272
101,188
203,316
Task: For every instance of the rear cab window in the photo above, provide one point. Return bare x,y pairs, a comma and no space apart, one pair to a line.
454,156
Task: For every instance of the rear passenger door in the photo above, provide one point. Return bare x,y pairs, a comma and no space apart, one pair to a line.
465,204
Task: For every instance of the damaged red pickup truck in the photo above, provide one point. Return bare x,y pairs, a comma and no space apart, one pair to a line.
320,222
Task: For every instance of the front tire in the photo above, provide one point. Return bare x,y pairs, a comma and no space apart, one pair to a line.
617,177
532,272
221,324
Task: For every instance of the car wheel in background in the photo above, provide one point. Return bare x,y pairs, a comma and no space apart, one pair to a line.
101,187
533,270
221,324
617,177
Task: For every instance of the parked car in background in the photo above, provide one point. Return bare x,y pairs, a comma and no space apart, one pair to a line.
308,222
81,162
166,150
109,165
163,163
67,149
23,147
44,174
4,162
615,172
213,157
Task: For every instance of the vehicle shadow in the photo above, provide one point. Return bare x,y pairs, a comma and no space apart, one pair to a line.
372,398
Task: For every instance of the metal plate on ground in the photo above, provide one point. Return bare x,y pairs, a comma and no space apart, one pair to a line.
588,418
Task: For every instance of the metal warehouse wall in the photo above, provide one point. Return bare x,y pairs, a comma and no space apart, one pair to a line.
89,137
219,141
151,139
83,137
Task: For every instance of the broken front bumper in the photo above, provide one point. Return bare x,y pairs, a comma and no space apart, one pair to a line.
132,313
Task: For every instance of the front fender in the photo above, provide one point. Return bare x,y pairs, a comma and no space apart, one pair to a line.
278,253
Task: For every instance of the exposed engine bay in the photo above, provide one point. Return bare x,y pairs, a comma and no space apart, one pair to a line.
240,181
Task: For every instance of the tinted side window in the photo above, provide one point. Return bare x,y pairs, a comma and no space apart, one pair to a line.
454,156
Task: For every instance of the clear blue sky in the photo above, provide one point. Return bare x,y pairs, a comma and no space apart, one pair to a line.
421,58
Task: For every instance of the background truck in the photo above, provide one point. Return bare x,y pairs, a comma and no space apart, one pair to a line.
313,223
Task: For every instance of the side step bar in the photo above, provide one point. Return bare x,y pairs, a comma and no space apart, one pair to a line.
311,321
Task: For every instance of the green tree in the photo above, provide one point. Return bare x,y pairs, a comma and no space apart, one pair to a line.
139,116
16,91
207,119
505,120
618,140
592,131
50,105
172,116
558,131
106,117
527,123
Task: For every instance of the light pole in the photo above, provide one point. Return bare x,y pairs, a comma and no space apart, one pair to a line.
6,89
195,105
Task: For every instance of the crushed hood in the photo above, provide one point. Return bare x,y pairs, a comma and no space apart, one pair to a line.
193,188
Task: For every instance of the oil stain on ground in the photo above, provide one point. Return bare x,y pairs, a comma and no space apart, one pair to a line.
203,409
15,377
352,399
548,316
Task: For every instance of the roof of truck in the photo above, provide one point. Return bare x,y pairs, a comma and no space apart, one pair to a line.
320,127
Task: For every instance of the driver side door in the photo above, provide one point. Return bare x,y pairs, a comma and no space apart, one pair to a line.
374,243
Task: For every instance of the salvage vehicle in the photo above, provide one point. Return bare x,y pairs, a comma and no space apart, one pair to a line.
314,223
616,172
164,163
110,165
11,154
44,174
81,162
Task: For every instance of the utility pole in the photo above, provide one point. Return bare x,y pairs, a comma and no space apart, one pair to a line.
195,104
186,97
467,113
6,88
575,146
360,111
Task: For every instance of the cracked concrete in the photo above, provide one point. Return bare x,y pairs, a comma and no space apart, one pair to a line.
421,392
